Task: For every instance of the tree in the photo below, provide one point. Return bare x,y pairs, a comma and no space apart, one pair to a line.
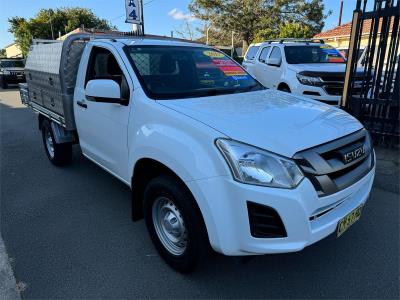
3,53
286,30
48,23
251,19
186,31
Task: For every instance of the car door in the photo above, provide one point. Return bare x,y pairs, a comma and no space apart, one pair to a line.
249,59
274,71
103,127
260,70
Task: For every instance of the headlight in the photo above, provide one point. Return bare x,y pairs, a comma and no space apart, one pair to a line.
252,165
6,72
309,80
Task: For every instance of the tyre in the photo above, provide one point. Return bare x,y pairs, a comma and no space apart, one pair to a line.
3,84
175,224
58,154
285,89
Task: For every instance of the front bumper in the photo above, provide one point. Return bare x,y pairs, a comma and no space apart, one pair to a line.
13,78
320,94
223,203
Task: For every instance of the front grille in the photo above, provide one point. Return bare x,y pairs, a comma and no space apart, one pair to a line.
332,82
264,221
325,167
333,89
332,77
13,73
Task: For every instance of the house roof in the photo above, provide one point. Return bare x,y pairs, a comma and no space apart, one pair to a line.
345,29
342,30
9,45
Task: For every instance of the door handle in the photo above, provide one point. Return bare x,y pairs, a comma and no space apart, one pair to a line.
81,104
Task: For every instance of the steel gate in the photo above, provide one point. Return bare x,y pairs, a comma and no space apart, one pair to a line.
374,100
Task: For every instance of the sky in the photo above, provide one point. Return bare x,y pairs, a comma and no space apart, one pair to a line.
161,16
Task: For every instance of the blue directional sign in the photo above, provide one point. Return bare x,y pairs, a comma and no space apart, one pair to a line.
133,11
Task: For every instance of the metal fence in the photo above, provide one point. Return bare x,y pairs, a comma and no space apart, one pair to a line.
374,99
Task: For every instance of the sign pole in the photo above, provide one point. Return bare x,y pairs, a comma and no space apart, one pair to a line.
142,15
134,14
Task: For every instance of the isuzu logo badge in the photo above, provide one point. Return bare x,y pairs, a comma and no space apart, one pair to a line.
353,154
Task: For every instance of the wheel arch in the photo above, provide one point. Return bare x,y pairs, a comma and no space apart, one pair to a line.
283,85
146,169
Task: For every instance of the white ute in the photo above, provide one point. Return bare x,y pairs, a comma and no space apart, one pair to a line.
303,67
212,157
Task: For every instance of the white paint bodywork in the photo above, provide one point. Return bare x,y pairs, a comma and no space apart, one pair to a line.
105,88
181,135
272,76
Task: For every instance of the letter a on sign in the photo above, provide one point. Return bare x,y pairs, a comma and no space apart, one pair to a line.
133,11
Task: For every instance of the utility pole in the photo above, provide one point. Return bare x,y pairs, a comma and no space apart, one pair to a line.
141,8
51,24
340,13
232,44
207,31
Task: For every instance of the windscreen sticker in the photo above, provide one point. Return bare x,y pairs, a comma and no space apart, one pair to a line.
207,82
223,62
213,54
330,51
232,71
244,77
229,68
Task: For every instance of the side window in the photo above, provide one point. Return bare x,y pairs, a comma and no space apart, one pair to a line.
263,54
103,65
276,53
251,53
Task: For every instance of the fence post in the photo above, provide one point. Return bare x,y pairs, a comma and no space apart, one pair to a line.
349,66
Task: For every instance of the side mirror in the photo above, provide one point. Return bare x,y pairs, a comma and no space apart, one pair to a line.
272,61
104,90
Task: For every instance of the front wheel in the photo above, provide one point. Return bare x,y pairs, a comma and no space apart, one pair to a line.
285,89
175,223
58,154
3,83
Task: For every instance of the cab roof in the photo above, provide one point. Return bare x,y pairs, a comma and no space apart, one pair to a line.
150,40
289,44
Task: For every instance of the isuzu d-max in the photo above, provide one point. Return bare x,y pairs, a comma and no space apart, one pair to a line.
212,157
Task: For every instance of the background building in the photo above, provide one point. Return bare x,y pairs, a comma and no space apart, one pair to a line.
13,51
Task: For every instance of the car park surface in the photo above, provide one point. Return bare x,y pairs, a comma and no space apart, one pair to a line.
70,234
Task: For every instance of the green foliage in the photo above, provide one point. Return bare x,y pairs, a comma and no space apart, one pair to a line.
286,30
3,53
260,19
62,20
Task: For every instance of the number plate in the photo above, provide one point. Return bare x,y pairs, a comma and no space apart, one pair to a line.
348,220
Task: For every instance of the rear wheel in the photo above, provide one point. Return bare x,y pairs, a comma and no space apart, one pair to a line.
175,223
58,154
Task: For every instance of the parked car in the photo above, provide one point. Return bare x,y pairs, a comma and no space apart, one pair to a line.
302,67
212,157
11,71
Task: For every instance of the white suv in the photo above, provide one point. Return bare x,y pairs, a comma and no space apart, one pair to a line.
307,68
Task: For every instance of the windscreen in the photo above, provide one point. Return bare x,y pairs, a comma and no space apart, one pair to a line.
12,64
313,54
169,72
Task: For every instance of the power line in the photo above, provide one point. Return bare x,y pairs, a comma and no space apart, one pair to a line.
148,2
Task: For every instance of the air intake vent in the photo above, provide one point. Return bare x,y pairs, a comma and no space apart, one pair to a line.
265,221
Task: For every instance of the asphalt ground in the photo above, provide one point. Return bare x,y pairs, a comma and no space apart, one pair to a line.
69,234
